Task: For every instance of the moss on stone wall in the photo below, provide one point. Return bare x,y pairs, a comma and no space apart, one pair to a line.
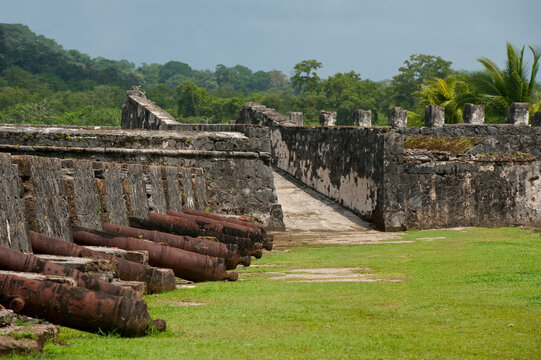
455,145
503,157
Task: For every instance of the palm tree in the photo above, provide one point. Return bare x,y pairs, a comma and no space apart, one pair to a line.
450,93
498,88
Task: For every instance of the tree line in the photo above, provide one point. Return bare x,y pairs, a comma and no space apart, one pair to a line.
42,83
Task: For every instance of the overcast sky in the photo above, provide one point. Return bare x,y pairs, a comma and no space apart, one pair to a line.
372,38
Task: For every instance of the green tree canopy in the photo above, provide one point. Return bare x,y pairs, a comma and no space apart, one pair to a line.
305,78
171,68
346,92
416,70
277,79
19,46
191,99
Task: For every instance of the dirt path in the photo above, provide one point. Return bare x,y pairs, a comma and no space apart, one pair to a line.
311,218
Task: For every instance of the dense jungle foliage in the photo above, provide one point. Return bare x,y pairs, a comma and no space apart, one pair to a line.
42,83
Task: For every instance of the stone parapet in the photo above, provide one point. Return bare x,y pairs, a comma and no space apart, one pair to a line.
327,118
518,113
397,117
429,177
474,114
362,118
239,179
141,113
434,116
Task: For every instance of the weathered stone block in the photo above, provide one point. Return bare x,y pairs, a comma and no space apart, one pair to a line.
157,201
362,118
518,113
188,195
138,256
139,286
81,263
200,190
434,116
398,117
138,194
295,117
474,114
327,118
13,229
276,218
85,196
37,334
114,196
174,197
50,203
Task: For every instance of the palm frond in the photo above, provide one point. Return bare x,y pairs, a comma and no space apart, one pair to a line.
535,67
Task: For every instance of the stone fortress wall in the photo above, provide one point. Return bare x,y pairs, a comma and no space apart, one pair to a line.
237,173
399,178
50,195
437,176
127,172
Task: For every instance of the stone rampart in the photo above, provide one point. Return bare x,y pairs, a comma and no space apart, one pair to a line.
13,227
140,113
343,164
236,168
243,185
453,175
50,195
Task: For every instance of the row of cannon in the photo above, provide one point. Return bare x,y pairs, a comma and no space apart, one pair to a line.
191,245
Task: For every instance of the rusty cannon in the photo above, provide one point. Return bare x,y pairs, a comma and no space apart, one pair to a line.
185,264
76,307
179,226
221,226
267,238
157,280
201,246
223,218
17,261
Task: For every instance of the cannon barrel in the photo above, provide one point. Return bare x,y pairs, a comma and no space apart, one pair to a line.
268,238
157,280
17,261
76,307
228,227
185,264
223,218
221,225
179,226
206,247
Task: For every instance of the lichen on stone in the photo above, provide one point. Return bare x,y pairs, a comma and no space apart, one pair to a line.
454,145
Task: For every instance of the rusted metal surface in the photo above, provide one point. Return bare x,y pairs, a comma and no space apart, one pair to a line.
190,228
177,226
18,261
216,231
157,280
223,218
227,227
266,238
185,264
206,247
76,307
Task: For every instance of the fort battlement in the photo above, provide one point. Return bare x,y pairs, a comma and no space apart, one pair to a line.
435,176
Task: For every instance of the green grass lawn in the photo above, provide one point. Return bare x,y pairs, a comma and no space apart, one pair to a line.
475,294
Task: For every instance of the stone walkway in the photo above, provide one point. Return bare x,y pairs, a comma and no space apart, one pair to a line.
312,218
